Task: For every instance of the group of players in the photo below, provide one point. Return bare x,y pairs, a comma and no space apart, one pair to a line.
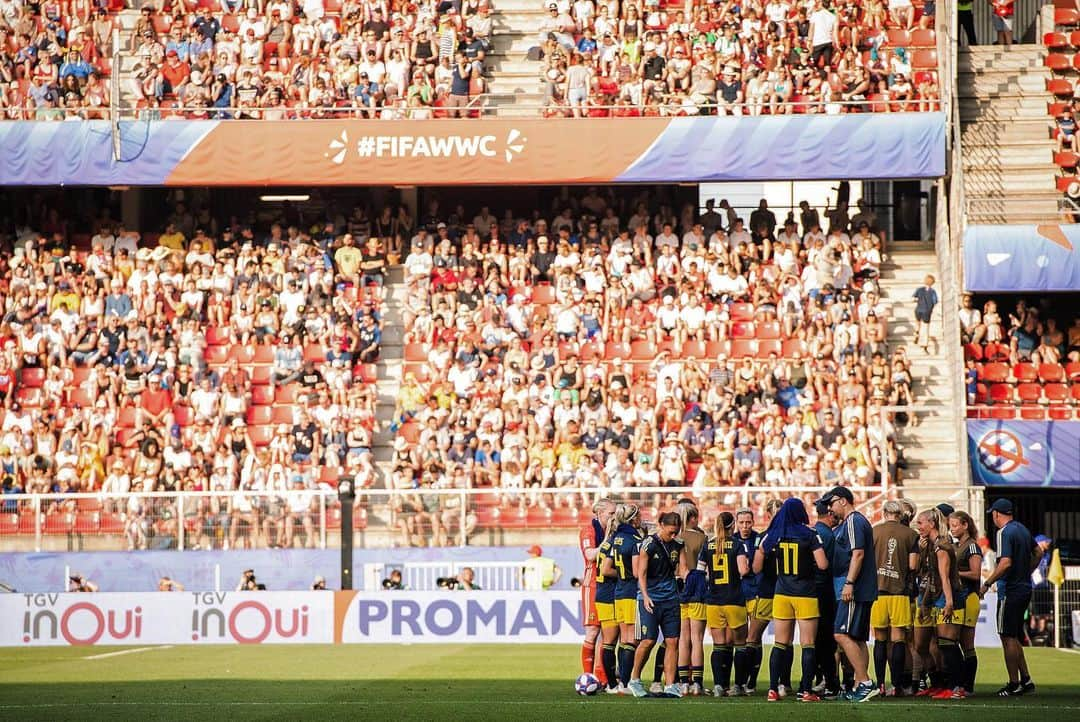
914,581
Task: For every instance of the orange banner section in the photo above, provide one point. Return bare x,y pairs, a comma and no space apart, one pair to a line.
450,152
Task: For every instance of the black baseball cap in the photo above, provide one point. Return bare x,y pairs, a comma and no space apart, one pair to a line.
1002,506
837,492
945,509
821,508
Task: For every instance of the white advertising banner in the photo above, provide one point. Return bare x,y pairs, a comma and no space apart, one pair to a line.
432,617
166,618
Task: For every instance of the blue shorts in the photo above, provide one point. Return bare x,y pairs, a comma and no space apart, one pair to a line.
665,618
694,589
853,619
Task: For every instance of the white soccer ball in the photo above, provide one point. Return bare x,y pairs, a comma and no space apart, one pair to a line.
587,684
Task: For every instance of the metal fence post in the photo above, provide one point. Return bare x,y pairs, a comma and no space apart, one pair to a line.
180,521
463,519
322,521
37,523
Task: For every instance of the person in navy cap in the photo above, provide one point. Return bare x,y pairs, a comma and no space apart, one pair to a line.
1018,554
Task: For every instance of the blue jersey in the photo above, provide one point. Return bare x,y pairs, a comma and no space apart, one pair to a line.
795,564
854,533
722,572
750,581
1015,542
625,545
605,586
766,578
661,568
828,543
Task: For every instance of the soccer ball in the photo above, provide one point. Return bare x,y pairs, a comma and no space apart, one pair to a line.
587,684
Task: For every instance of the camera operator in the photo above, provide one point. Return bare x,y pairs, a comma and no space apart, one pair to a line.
78,583
248,583
466,580
319,585
393,583
166,584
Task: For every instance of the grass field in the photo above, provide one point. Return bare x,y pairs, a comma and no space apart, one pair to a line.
422,682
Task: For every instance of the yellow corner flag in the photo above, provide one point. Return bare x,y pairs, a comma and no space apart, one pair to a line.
1055,574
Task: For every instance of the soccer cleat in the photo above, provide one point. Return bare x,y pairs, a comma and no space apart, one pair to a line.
616,690
943,694
737,690
673,690
832,694
1013,689
959,693
749,690
656,688
718,691
773,696
1027,687
782,690
636,688
820,687
808,697
864,691
695,690
927,692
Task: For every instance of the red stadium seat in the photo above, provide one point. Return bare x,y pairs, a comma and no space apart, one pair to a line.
110,523
741,312
1001,394
643,351
617,350
1066,159
287,394
262,395
543,295
58,523
996,352
1029,393
280,415
9,523
564,518
217,336
1075,392
1033,413
1025,372
693,349
994,373
416,352
1051,372
1056,393
715,348
261,435
898,37
973,351
1002,413
1058,61
260,375
87,522
216,355
794,346
1060,413
1072,370
1074,39
768,329
924,38
315,353
1066,16
33,377
257,415
924,58
1060,87
263,356
743,329
768,347
368,373
741,348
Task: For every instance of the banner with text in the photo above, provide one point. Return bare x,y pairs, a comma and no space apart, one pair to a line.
474,152
1024,453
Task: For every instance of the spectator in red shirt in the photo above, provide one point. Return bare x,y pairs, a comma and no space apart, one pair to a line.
175,73
155,405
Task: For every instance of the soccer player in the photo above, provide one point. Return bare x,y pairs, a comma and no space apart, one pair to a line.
896,551
940,589
656,566
759,609
692,599
797,551
725,562
969,567
589,539
1018,554
855,580
625,543
824,642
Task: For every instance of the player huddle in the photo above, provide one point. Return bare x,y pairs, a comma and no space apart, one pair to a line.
914,581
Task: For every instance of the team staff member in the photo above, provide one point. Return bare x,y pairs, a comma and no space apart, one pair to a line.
745,535
940,588
855,580
625,544
896,551
969,567
589,539
692,601
798,551
656,566
824,642
1018,554
724,562
760,611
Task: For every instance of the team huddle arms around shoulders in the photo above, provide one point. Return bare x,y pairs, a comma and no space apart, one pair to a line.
913,582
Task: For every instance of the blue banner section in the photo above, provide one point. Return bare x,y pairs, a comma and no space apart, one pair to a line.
795,147
280,570
1024,453
1021,258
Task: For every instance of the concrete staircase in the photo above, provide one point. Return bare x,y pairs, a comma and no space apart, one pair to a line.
391,362
931,446
514,80
125,73
1008,157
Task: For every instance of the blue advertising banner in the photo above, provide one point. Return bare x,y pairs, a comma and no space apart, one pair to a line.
1021,258
1024,453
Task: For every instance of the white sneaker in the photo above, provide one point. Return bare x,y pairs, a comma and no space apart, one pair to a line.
673,690
781,691
656,688
617,689
684,688
736,691
636,688
695,690
718,691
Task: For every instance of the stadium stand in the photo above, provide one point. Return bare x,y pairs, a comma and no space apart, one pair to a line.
582,352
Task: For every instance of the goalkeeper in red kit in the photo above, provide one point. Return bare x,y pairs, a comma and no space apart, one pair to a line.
590,538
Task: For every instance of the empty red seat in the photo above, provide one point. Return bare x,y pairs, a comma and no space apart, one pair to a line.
973,351
795,346
261,435
768,347
9,523
257,415
543,295
693,349
924,58
260,375
1033,413
1056,109
715,348
1074,39
1066,159
617,350
643,351
899,37
996,352
58,523
768,329
1060,87
33,377
1025,372
287,394
216,355
416,352
262,356
315,353
924,38
87,522
1056,393
1066,16
994,373
217,336
1001,394
742,347
1029,393
262,395
1057,61
281,415
743,329
109,523
1002,412
741,312
1060,413
1051,372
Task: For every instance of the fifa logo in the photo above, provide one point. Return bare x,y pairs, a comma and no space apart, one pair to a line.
81,624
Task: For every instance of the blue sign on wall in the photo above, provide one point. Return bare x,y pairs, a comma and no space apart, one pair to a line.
1024,453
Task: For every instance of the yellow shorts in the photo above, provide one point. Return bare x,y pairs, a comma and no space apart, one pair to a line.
605,614
626,611
693,610
891,610
972,608
785,607
725,616
760,609
924,620
957,616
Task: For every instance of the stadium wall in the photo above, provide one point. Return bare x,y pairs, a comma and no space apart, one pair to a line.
1025,453
470,152
307,618
280,569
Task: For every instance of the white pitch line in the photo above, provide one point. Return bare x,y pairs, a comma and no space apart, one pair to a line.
126,651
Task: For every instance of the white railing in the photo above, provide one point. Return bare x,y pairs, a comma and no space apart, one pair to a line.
199,519
425,576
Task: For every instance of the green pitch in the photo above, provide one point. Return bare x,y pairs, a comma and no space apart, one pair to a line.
434,682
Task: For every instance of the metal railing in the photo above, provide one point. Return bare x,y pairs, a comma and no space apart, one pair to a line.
425,576
188,520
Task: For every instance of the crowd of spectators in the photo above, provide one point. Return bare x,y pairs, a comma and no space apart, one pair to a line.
54,59
316,58
628,350
667,58
1028,355
198,359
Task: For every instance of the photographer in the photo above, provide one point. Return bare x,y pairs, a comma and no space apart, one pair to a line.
319,585
394,583
466,580
165,584
248,583
78,583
